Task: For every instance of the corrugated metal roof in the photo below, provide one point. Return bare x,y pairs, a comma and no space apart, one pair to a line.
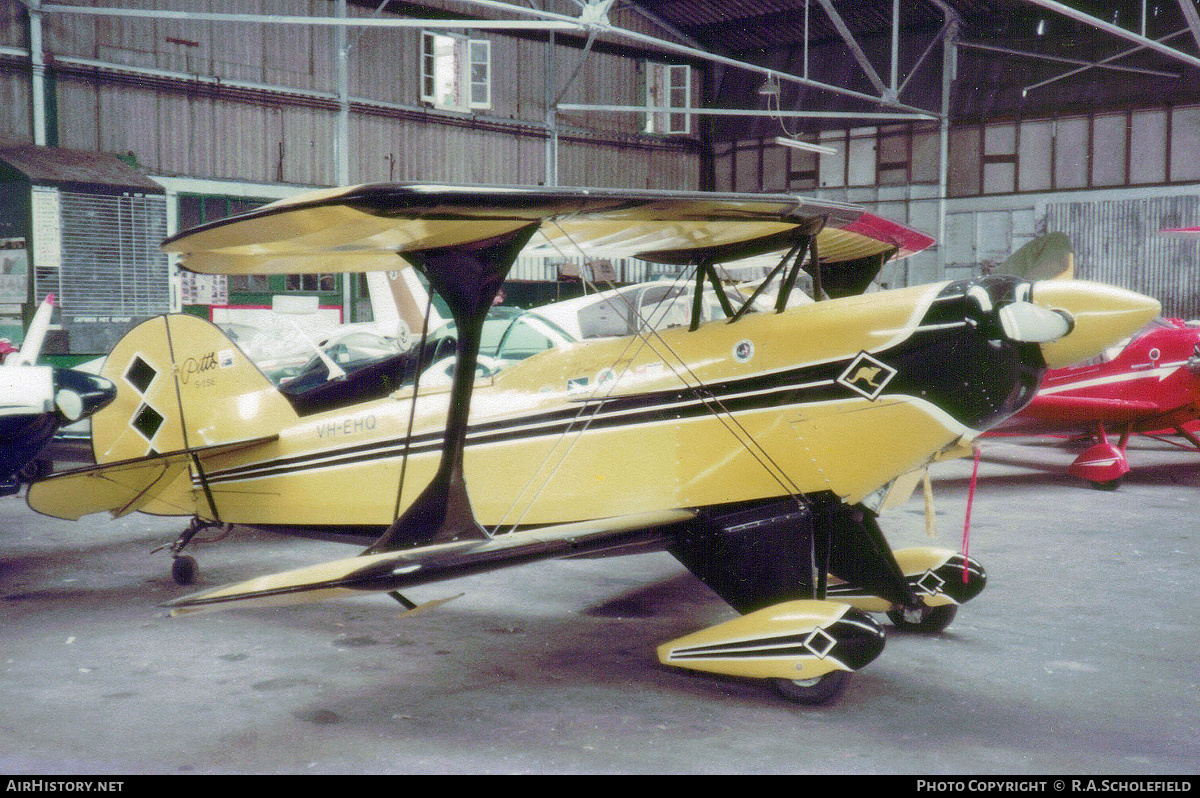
58,166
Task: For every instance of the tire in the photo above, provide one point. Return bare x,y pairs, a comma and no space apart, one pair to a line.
184,569
1109,484
814,692
932,621
35,470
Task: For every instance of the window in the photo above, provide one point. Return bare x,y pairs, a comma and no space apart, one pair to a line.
250,283
456,72
196,209
668,86
523,339
310,282
480,66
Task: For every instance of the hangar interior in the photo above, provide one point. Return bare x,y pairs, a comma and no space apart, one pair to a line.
983,123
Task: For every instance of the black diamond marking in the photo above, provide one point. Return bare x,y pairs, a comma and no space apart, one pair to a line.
140,374
931,583
820,643
147,421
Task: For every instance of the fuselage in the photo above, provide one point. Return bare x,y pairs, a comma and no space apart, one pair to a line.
839,396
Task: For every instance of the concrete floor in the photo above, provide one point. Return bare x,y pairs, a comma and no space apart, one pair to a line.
1079,658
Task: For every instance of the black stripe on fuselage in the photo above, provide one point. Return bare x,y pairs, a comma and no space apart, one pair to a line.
802,386
956,359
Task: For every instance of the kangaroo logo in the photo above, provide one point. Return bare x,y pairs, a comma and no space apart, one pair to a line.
867,376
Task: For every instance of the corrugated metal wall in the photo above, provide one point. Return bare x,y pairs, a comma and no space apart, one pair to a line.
279,123
1118,242
14,107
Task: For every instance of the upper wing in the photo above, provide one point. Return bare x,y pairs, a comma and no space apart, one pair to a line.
1181,232
414,566
157,483
362,228
1077,411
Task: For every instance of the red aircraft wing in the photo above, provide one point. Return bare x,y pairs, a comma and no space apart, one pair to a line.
1079,411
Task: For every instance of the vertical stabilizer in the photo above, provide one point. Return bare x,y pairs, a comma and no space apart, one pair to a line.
398,302
35,336
181,383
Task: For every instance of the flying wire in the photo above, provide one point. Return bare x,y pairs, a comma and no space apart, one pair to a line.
720,412
587,404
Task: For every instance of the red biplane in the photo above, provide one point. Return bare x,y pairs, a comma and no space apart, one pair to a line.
1149,383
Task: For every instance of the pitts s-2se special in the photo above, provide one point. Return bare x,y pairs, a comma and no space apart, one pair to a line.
752,447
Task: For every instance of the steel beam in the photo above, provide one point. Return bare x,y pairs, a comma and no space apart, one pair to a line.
894,85
568,23
37,77
699,53
1111,58
1193,18
593,19
1062,60
642,109
941,34
1115,30
855,50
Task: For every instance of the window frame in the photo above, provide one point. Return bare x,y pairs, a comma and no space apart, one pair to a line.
661,86
466,56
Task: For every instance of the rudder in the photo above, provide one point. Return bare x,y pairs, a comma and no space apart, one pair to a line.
181,383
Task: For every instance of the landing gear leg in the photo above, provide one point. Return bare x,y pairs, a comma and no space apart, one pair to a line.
183,566
1103,465
771,563
1191,438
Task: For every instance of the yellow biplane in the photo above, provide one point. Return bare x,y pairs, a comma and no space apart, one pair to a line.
755,447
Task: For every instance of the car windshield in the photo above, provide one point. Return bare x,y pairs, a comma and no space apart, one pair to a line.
350,352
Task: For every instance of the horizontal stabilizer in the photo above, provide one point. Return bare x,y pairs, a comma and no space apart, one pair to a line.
128,485
393,570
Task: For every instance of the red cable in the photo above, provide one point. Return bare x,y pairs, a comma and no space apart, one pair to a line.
966,539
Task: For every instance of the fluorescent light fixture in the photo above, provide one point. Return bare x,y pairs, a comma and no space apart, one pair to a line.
804,145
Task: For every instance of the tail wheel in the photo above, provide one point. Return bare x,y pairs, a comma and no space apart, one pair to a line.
184,569
929,620
814,692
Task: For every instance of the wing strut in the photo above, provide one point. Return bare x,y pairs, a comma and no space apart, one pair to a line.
705,269
801,246
468,277
785,288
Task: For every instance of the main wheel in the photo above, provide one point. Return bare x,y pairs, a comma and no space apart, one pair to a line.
814,692
931,621
183,569
1108,484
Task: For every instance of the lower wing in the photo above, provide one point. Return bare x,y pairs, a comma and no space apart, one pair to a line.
1075,411
390,571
